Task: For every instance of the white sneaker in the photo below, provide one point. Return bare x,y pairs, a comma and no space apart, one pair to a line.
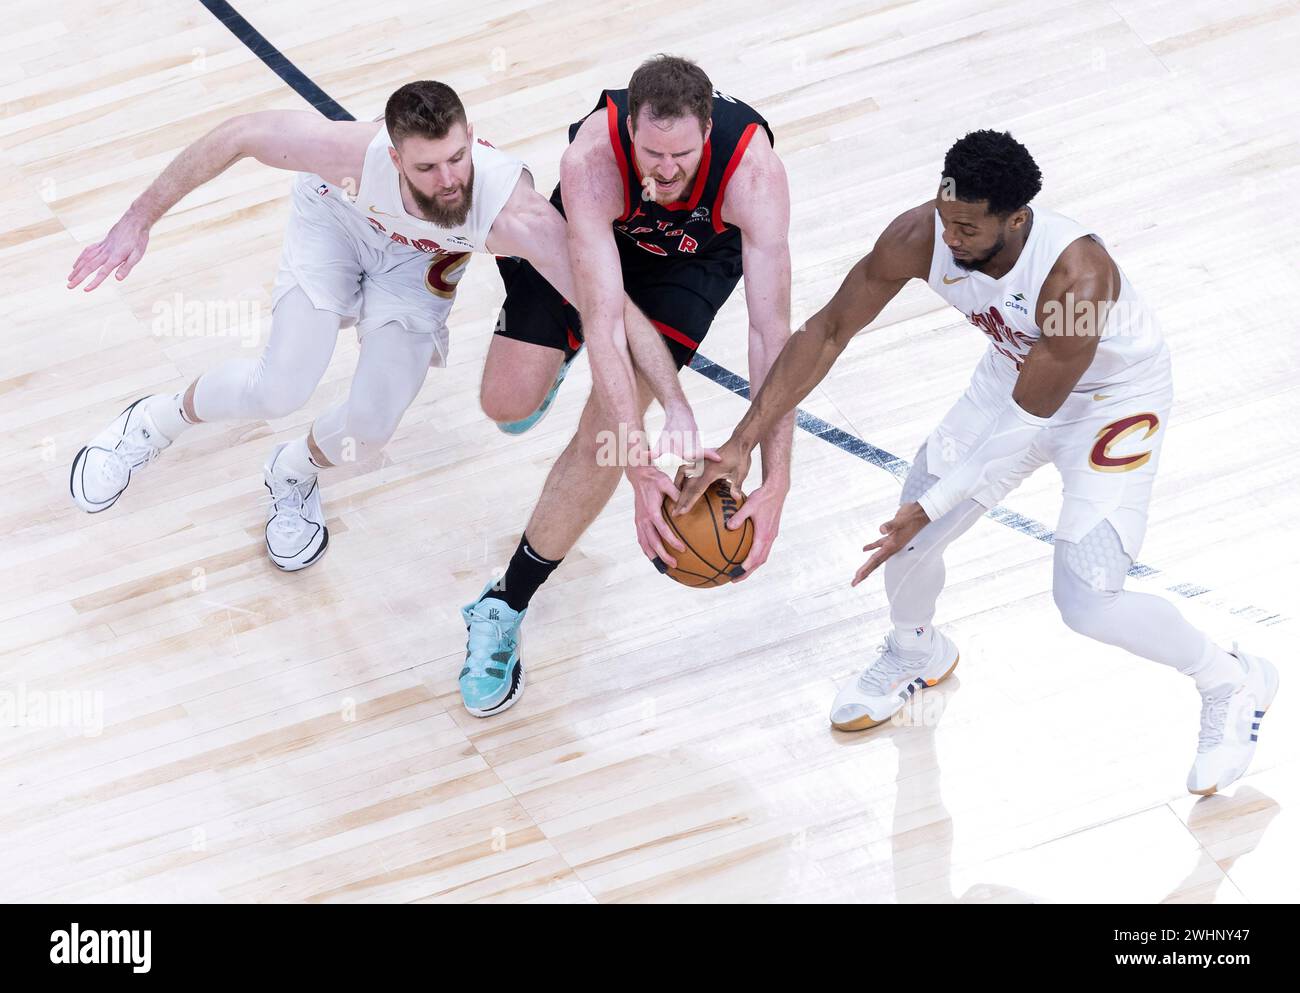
885,686
296,535
103,469
1230,718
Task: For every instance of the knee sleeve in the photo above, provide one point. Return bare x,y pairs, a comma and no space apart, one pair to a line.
1087,579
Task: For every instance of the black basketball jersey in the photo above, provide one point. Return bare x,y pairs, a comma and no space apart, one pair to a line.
692,226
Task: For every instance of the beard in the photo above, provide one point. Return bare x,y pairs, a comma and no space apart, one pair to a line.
437,211
977,265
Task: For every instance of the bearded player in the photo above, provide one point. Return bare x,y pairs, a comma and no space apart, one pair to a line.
672,191
383,218
1077,374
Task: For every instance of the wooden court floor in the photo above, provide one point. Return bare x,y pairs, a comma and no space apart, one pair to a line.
238,734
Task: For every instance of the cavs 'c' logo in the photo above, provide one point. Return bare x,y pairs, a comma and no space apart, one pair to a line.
444,273
1112,434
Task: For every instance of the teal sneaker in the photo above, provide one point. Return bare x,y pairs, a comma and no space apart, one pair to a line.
519,427
493,677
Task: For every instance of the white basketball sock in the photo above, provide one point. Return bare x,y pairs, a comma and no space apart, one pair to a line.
295,462
1216,668
913,640
165,412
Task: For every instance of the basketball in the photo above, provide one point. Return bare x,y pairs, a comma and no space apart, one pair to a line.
712,550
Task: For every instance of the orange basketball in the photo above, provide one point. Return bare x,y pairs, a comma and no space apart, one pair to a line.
712,550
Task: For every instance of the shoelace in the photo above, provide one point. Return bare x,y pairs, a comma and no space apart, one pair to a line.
130,453
1214,713
288,500
485,636
879,677
1214,719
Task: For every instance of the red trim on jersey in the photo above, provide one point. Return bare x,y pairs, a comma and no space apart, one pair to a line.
574,342
619,157
726,175
701,180
671,332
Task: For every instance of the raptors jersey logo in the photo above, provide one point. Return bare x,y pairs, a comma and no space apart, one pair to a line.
1101,459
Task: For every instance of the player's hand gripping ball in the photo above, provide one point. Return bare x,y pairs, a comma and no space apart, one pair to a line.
713,550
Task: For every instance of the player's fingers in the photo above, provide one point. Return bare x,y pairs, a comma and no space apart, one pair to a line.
739,518
646,548
669,489
125,268
867,569
100,276
666,533
84,265
661,553
757,556
690,494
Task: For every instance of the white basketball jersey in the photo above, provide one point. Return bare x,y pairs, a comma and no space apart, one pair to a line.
377,205
1131,347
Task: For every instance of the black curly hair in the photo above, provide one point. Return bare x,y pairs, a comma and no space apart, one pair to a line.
992,166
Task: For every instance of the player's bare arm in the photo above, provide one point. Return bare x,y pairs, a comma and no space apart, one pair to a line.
529,227
593,199
902,252
299,141
1071,311
758,202
621,344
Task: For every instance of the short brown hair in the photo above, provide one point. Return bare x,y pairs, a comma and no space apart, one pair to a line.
670,87
425,108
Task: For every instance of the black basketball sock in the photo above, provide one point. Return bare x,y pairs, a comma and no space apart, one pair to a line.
524,576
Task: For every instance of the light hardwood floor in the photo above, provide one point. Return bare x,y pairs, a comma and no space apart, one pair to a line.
272,737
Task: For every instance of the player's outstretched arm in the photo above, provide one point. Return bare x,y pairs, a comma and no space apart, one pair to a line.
758,202
902,252
592,200
286,139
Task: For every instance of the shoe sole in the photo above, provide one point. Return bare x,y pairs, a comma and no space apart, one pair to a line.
866,722
316,555
505,704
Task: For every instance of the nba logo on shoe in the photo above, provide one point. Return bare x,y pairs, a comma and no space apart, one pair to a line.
920,632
